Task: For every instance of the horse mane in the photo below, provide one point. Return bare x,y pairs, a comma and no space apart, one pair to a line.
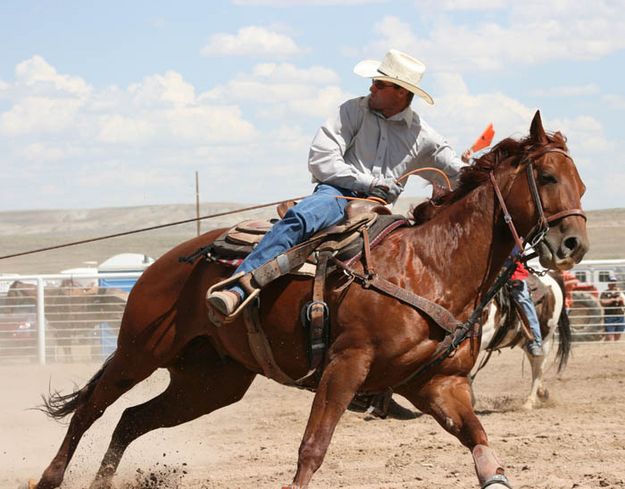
474,175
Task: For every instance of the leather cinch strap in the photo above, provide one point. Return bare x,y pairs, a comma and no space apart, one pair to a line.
317,314
438,314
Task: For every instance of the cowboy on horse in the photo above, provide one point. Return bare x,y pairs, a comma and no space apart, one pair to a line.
413,328
361,152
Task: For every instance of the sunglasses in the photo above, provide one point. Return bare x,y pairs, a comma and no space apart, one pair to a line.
381,85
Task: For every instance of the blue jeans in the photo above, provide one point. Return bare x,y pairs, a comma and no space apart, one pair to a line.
523,297
614,324
316,212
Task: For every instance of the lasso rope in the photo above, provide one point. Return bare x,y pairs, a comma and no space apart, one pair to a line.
210,216
151,228
427,168
377,200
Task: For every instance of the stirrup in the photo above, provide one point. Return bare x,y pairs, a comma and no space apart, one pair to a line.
244,303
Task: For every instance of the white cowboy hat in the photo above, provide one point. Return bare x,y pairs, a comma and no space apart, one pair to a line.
398,68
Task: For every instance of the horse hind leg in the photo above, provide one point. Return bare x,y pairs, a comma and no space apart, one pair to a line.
115,378
200,383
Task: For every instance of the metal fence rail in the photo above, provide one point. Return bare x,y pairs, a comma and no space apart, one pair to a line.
61,318
80,316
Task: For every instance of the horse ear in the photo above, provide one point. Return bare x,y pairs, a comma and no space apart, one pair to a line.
537,133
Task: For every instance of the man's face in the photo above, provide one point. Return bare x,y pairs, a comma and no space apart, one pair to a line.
387,98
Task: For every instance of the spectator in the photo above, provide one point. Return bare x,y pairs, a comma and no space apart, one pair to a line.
613,303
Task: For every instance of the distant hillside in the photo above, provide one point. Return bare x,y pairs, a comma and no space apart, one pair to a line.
26,230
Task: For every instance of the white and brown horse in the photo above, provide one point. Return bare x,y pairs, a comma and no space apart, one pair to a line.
504,329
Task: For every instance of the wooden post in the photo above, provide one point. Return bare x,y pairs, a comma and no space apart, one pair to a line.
197,202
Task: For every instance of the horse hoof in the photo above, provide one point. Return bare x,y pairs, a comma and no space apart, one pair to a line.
498,481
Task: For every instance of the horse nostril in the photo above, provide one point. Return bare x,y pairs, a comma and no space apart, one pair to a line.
571,243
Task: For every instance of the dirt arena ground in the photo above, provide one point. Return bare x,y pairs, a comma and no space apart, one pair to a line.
576,440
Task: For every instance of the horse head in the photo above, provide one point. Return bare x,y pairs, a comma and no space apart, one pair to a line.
538,192
545,199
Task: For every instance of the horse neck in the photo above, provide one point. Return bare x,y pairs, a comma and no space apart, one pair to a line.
464,240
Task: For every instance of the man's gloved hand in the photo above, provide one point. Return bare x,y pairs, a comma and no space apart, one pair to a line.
387,190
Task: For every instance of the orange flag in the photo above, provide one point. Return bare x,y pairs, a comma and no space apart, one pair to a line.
484,140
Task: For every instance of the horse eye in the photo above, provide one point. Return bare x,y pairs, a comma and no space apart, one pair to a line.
546,178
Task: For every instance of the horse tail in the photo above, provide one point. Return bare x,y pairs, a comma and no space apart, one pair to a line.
57,406
564,328
508,318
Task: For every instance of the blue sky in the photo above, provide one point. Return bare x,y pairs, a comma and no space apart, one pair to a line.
106,104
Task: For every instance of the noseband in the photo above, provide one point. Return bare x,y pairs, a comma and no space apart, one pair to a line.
540,229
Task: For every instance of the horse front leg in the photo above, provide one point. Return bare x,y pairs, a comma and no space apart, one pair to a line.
339,383
537,390
448,400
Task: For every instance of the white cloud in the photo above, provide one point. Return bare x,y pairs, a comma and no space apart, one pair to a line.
324,102
40,115
36,74
461,116
586,137
568,91
143,140
531,33
117,129
452,5
614,101
283,90
251,40
41,153
162,108
60,133
167,89
285,72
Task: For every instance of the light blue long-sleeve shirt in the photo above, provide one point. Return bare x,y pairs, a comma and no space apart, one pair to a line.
359,148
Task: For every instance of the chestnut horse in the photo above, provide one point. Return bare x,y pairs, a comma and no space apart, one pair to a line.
376,342
502,329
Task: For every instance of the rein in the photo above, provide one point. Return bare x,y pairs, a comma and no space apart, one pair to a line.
451,343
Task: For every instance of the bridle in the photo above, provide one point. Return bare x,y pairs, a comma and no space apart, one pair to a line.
541,228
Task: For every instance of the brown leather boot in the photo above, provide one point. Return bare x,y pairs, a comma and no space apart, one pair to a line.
225,301
380,406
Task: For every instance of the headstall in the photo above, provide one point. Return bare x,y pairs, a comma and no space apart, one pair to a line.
540,229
